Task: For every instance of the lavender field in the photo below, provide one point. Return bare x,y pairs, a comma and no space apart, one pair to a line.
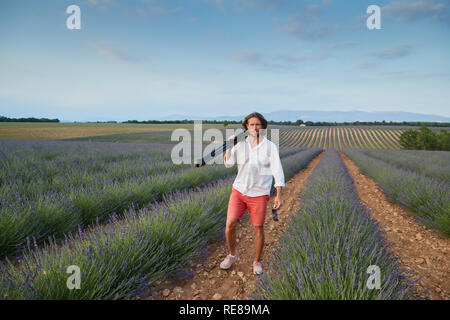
418,183
52,188
122,258
128,217
329,244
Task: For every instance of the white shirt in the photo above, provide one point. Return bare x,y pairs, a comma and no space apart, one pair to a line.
256,167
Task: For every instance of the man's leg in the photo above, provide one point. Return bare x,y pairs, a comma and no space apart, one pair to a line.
257,209
259,242
230,233
236,209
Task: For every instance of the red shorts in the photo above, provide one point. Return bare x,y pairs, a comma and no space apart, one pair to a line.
256,207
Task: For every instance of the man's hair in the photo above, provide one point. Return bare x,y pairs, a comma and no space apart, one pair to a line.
255,115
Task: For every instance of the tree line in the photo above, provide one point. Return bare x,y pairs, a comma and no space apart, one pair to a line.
307,123
6,119
374,123
425,139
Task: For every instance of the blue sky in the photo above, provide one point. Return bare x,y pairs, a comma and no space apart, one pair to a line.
145,59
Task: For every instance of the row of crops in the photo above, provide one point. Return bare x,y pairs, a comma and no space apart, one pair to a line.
330,245
434,164
51,188
124,257
341,138
418,180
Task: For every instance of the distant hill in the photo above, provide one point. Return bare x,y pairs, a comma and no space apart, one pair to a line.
328,116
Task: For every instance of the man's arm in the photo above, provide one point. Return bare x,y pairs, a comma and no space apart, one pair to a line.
278,174
229,156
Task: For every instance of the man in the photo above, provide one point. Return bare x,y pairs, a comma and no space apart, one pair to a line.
258,160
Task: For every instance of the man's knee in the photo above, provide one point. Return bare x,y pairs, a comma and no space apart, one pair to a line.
259,230
231,224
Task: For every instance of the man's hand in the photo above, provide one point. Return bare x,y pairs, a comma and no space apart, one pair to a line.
277,203
227,154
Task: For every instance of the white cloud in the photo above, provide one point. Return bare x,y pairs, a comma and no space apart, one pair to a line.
278,62
309,24
152,12
344,44
395,52
436,10
111,53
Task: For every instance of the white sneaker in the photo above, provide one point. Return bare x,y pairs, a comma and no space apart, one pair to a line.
228,262
257,267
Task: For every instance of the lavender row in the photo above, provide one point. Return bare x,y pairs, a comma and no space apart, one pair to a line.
435,164
428,198
125,258
329,245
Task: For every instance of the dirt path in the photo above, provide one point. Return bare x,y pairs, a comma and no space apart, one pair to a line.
212,283
419,248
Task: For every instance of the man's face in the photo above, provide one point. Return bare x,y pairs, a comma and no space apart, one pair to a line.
253,126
